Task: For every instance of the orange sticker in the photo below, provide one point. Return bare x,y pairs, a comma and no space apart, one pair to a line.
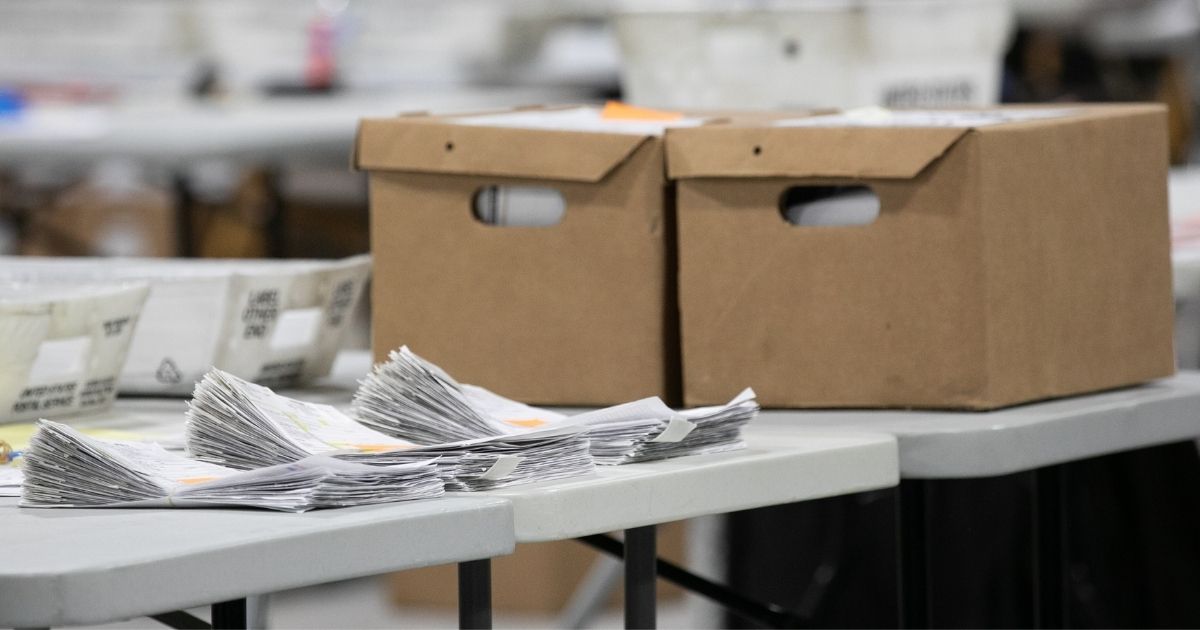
379,448
616,110
527,423
191,481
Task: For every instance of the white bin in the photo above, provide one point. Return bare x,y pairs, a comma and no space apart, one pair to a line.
64,347
279,323
822,53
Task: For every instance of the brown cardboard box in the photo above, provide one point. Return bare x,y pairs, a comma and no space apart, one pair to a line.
577,313
1009,262
536,578
91,220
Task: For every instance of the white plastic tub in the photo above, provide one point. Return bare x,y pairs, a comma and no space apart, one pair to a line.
278,323
802,54
64,347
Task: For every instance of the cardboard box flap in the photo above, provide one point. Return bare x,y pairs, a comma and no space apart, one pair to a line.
437,147
746,151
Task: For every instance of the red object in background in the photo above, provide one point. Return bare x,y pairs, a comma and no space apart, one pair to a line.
321,66
65,92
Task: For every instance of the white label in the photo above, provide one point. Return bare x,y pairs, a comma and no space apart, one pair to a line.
59,358
879,117
587,119
503,467
296,328
676,430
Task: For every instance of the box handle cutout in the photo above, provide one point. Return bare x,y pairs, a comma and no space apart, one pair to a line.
59,359
518,206
296,328
829,206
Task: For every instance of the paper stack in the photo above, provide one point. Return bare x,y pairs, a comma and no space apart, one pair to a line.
618,434
235,423
65,468
410,398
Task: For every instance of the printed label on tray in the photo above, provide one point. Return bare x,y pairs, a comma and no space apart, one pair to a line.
45,398
929,94
280,374
114,327
339,302
262,309
97,392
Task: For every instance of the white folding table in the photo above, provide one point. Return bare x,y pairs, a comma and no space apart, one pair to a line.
67,567
777,467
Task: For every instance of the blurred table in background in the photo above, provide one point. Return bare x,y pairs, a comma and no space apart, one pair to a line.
198,150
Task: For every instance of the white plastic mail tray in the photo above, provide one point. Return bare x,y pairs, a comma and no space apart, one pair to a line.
275,322
693,54
64,346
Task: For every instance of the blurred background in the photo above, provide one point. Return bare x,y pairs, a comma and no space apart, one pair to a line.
224,128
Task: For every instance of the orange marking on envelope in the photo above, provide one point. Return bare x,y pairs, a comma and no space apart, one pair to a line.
526,423
616,110
379,448
195,480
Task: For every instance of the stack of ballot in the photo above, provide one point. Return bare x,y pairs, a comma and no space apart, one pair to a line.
618,435
234,423
65,468
410,398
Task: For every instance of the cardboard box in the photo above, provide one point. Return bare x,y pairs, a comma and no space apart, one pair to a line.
577,313
92,220
1019,254
539,577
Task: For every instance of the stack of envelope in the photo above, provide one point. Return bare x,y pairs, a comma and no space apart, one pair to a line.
65,468
410,398
235,423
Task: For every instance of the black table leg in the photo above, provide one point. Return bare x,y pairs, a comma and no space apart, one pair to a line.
1049,548
230,615
640,564
913,547
276,213
771,615
181,620
475,594
185,215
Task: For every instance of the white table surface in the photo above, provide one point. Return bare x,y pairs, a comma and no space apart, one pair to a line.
308,130
936,445
778,466
63,567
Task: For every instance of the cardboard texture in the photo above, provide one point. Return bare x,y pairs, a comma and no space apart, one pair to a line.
89,220
1009,262
577,313
535,578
